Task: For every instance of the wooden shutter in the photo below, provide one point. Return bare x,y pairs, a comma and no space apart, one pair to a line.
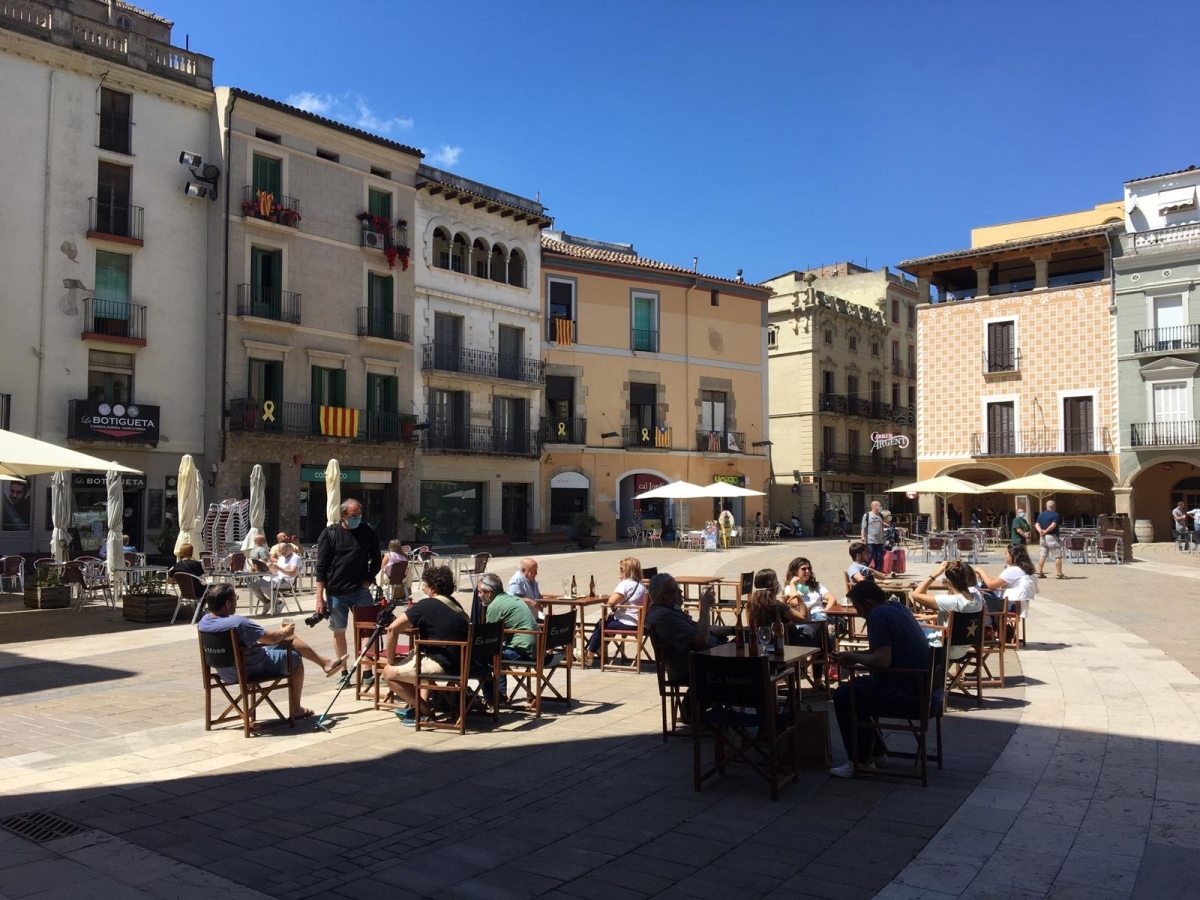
1000,346
1000,428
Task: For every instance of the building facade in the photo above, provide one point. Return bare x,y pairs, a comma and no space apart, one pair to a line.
478,342
842,349
312,314
653,374
1016,362
104,258
1158,347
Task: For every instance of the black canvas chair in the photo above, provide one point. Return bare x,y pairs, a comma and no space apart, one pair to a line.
220,650
556,640
672,693
478,661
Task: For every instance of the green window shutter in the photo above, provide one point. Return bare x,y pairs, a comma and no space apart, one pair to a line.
268,175
391,393
338,387
275,382
379,203
643,313
318,387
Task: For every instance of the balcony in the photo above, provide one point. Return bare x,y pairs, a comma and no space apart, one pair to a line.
653,438
903,415
480,440
867,464
262,205
114,321
118,222
1161,239
1164,434
562,331
897,368
388,327
834,403
304,420
912,371
725,442
481,363
268,303
1041,442
643,340
1160,340
380,234
97,420
1001,362
564,431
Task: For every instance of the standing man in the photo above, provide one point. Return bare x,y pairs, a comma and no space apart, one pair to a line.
872,534
1019,532
347,562
523,583
1047,528
1179,514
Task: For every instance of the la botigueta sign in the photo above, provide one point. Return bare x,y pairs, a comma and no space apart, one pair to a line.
96,420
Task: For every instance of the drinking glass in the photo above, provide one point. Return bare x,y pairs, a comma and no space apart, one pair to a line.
764,636
566,586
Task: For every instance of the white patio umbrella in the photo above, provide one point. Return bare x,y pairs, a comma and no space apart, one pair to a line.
60,516
944,486
22,456
4,477
333,492
116,513
258,505
675,490
189,504
725,489
1040,485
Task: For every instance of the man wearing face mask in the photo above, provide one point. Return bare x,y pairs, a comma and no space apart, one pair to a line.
347,563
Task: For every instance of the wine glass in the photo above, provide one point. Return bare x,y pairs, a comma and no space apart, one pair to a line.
566,586
764,636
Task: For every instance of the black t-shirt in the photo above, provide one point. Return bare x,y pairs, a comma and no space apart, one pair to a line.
436,621
347,560
192,567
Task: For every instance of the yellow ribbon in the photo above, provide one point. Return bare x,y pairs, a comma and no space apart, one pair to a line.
562,429
645,434
269,411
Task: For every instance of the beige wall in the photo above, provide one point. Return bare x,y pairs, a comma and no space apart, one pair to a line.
988,235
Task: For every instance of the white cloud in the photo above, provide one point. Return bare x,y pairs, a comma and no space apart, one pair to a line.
352,109
445,155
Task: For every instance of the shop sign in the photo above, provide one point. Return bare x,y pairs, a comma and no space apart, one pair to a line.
96,420
570,480
881,439
643,482
349,476
736,480
88,481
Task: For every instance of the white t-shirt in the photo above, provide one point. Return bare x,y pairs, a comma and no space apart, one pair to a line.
292,563
1019,587
958,603
815,600
632,592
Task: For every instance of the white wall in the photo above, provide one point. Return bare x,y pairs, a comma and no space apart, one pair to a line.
1142,206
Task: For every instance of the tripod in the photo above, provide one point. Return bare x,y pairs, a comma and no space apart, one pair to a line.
386,617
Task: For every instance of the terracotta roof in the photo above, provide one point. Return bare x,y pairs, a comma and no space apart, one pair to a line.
1163,175
330,123
549,245
438,181
1018,244
120,4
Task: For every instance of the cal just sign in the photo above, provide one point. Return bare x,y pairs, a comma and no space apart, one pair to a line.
96,420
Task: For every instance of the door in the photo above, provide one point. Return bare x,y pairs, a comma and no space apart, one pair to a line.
508,425
1168,322
858,506
512,351
514,510
266,277
383,422
328,389
560,410
1000,437
131,519
1170,412
1077,425
642,405
447,418
380,320
110,307
447,339
712,421
265,395
112,200
645,325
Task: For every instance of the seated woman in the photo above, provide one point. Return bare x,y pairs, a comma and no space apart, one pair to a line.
187,564
629,592
801,587
765,608
1018,579
964,596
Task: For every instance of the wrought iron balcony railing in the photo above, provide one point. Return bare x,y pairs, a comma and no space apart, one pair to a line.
643,339
835,403
867,464
1164,434
556,430
480,440
304,419
1041,442
259,204
268,303
998,361
389,326
119,220
1157,340
114,319
723,442
446,357
653,438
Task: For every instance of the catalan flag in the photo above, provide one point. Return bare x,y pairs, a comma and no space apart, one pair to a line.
662,436
336,421
562,331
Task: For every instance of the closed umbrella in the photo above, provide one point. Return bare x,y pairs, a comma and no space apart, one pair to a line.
189,504
333,493
60,516
258,505
116,514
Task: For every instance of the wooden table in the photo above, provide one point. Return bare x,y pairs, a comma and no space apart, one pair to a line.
686,582
580,605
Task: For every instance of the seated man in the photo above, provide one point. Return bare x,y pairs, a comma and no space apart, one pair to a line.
516,616
524,584
259,551
285,569
266,654
858,569
436,617
895,641
280,540
674,630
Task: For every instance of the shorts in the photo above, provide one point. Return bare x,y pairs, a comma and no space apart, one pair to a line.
406,669
339,606
277,664
1050,547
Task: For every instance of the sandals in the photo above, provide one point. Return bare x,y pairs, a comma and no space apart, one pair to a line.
1061,576
303,714
334,667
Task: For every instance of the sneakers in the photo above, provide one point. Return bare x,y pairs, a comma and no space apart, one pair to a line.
368,679
846,770
346,680
407,717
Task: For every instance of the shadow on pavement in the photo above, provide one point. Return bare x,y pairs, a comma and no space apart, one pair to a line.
53,674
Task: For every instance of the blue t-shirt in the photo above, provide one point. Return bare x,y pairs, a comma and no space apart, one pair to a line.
892,625
1046,518
254,655
857,568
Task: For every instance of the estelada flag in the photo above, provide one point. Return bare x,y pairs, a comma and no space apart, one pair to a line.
337,421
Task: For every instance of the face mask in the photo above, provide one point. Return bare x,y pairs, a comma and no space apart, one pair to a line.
353,522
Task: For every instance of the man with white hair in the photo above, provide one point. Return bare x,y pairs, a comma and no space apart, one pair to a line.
523,583
347,563
1019,532
1047,526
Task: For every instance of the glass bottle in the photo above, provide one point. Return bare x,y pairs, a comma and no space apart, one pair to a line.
739,639
591,585
574,589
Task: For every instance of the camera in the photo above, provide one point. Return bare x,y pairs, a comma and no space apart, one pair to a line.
316,618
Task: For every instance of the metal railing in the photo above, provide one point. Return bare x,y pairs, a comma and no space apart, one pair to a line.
1160,238
1164,434
904,415
643,339
867,464
303,419
113,318
445,357
268,303
1176,337
553,326
723,442
1041,442
480,440
835,403
557,430
115,219
389,326
285,210
654,438
897,368
1001,361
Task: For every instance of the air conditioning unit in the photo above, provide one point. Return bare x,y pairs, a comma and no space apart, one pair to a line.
372,239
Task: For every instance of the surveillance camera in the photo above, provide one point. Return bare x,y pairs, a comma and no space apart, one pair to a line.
189,159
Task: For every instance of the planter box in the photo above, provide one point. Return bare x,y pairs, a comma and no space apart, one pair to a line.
58,597
151,608
587,541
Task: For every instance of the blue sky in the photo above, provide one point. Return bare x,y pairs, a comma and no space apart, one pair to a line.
763,136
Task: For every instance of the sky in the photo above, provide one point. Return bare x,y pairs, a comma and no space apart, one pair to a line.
764,136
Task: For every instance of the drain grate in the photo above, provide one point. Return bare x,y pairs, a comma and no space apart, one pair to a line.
40,827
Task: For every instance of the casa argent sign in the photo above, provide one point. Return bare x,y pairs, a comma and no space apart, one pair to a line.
881,439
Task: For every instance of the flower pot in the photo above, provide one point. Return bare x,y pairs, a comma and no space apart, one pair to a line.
587,541
57,597
272,218
148,607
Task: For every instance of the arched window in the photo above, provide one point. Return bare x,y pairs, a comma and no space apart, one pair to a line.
458,253
479,258
441,248
516,269
499,264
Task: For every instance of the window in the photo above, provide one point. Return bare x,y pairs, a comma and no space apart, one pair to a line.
643,412
895,396
380,319
829,336
113,212
110,311
1170,399
1077,425
1001,352
876,393
458,254
381,173
562,311
1169,321
853,340
511,358
441,249
110,376
383,394
448,419
827,382
328,387
645,322
266,383
828,441
895,311
124,23
328,155
875,348
895,357
852,387
479,258
712,411
379,203
266,283
447,339
912,317
116,126
852,443
1001,435
773,338
509,425
267,175
266,136
714,298
560,396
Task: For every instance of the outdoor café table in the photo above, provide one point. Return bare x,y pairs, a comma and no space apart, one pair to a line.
133,574
580,604
793,658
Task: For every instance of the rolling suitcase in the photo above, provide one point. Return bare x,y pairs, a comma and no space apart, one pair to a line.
895,562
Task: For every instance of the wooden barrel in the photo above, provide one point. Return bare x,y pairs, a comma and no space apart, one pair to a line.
1143,530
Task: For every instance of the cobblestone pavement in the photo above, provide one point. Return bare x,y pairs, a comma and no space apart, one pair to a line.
1075,781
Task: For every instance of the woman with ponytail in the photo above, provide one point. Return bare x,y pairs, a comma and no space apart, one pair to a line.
964,595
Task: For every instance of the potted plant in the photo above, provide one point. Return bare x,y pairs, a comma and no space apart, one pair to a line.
148,600
46,590
586,527
421,525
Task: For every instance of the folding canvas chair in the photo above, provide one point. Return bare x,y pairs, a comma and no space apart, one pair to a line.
620,661
220,650
556,640
672,693
967,673
479,661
